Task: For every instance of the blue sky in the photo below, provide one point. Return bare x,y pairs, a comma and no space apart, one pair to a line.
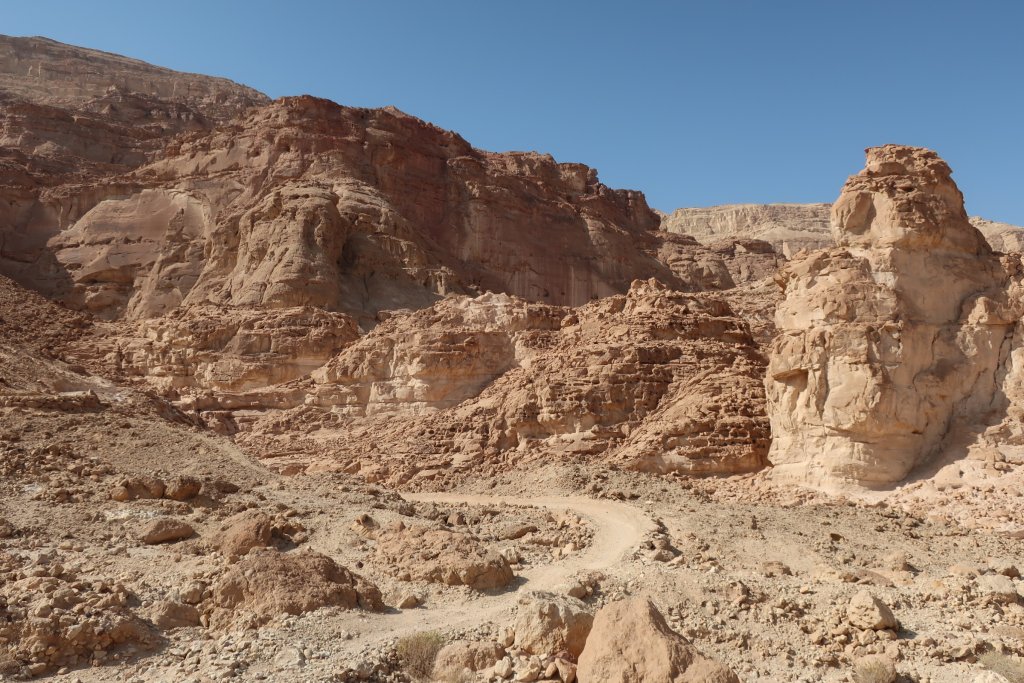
695,103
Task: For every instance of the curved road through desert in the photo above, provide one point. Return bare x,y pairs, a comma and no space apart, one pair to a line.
618,530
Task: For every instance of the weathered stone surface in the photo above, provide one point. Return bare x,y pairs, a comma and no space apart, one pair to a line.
875,365
165,530
242,532
790,228
631,643
657,380
547,623
442,556
267,583
455,658
868,612
311,203
170,614
45,71
787,227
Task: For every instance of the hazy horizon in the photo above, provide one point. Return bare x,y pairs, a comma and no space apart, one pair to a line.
695,105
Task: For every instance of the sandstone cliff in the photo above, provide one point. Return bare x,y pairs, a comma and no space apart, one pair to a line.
787,227
300,266
656,380
792,227
897,337
305,202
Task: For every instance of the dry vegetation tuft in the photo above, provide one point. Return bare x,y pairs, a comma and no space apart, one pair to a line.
418,652
1008,667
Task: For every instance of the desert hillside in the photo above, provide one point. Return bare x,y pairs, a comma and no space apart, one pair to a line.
296,391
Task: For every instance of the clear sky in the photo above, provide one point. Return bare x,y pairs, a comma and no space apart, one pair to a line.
695,103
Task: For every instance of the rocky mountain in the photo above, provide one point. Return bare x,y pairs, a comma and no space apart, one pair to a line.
297,391
236,263
44,72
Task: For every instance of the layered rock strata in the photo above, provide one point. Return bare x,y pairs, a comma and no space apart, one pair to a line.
656,379
787,227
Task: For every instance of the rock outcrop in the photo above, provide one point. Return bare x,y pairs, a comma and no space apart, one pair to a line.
267,584
896,338
656,380
442,556
257,263
307,203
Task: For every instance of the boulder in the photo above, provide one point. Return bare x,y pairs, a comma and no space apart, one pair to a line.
171,614
267,583
443,556
138,487
865,611
455,658
183,488
165,530
631,643
242,532
547,623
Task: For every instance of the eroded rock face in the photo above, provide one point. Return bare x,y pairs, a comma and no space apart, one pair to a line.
657,380
45,71
790,228
67,142
894,338
787,227
267,583
209,349
308,203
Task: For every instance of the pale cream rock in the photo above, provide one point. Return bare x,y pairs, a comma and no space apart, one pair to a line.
874,364
547,623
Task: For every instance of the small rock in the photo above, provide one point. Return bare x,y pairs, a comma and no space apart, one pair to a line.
169,614
1005,567
865,611
513,532
998,588
183,488
165,530
408,601
504,668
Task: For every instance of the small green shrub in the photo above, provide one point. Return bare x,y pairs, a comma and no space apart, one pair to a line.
418,652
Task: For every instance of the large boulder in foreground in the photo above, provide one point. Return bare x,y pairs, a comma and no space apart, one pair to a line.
631,643
895,337
547,623
267,583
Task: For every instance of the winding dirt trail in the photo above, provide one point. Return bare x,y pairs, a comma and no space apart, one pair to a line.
618,531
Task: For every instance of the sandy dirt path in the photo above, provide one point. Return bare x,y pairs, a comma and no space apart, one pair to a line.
618,531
